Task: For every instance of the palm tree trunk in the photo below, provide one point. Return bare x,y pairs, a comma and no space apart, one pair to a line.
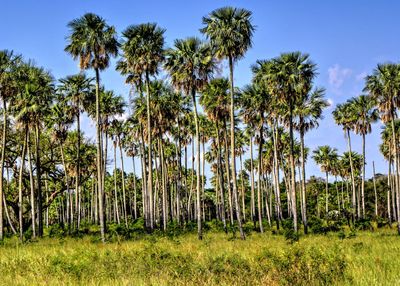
389,188
353,184
375,194
39,182
396,172
99,160
221,178
276,176
123,182
21,169
292,169
196,121
326,194
363,177
78,158
3,152
252,198
150,160
232,115
259,174
228,176
303,182
116,207
32,186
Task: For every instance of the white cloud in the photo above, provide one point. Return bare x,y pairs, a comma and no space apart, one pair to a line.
330,102
337,76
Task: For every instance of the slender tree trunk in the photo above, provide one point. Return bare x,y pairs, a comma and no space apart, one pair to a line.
78,162
228,176
363,177
21,170
396,172
150,160
99,160
389,191
32,186
221,179
326,194
259,174
375,194
196,120
116,207
123,182
292,169
303,182
39,182
353,184
232,115
3,152
252,198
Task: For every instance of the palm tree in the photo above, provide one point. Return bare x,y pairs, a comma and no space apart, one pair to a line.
344,116
384,86
288,78
93,42
230,31
76,89
256,102
143,51
364,107
190,64
307,113
9,62
325,156
35,94
215,101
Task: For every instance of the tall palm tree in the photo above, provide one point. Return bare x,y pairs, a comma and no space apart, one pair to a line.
384,86
9,62
93,42
143,52
76,89
215,101
289,78
346,117
230,31
190,64
307,113
325,156
364,107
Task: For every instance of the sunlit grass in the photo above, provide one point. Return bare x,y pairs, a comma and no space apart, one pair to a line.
369,258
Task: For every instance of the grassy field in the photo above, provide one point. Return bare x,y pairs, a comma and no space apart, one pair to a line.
368,258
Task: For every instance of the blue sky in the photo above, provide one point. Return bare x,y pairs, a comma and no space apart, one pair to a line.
345,38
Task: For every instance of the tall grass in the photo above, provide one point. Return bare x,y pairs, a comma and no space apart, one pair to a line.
369,258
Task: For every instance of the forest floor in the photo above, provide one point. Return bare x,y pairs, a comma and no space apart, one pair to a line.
362,258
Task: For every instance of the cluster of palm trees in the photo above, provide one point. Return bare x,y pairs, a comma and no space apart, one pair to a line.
274,112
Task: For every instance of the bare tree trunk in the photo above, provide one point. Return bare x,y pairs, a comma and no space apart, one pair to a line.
198,198
123,182
150,159
116,207
375,194
21,169
99,160
353,184
3,152
363,177
232,116
303,183
260,146
252,198
31,181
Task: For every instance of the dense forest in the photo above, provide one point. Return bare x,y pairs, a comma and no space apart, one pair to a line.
54,177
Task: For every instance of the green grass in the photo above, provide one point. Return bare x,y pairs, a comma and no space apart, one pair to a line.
369,258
